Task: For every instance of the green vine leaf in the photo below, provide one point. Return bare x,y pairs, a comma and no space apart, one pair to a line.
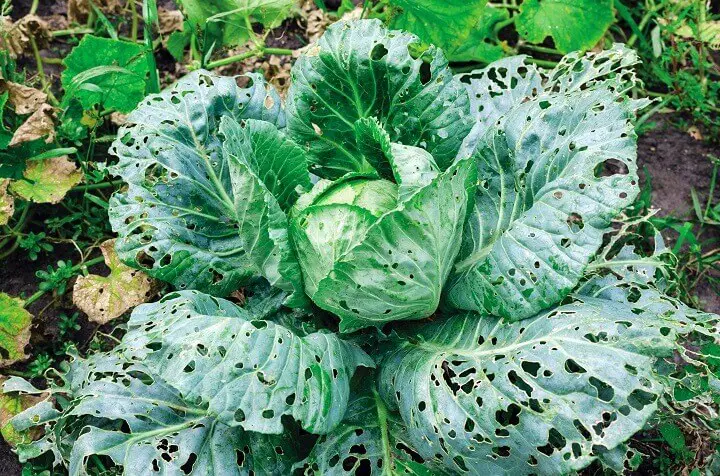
106,72
576,25
15,324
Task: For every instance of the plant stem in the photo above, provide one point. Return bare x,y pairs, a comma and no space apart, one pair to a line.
231,59
71,31
134,26
74,269
97,186
257,52
150,12
542,63
34,7
41,71
540,49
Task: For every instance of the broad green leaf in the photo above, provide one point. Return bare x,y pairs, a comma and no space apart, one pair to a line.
104,298
360,70
200,210
447,24
370,440
15,324
229,22
541,396
553,172
147,427
247,369
387,268
5,134
106,72
483,43
576,25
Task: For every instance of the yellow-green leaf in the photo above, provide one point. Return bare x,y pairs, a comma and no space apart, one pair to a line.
104,298
15,324
47,181
12,404
7,203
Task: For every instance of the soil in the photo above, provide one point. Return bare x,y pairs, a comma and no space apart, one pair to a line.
677,163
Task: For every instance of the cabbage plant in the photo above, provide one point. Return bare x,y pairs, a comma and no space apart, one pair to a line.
412,259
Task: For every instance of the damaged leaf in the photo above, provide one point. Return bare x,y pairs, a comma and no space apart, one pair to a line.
40,124
103,298
12,404
47,181
7,203
24,99
15,324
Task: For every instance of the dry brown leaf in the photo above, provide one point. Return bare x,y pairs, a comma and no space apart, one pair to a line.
78,10
118,118
12,404
104,298
7,203
20,34
40,124
24,99
695,133
169,21
47,180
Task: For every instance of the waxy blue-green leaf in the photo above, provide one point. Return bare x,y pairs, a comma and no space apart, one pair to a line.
370,440
369,269
145,425
360,70
209,179
546,395
247,369
553,172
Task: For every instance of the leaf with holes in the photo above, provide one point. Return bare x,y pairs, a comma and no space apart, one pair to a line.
146,426
15,324
104,298
209,177
248,370
553,171
576,25
541,396
369,439
360,70
373,251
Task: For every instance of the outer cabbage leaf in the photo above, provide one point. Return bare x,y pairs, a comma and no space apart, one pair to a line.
247,369
542,396
483,44
544,202
576,25
142,423
390,268
494,90
447,24
370,440
200,213
361,70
